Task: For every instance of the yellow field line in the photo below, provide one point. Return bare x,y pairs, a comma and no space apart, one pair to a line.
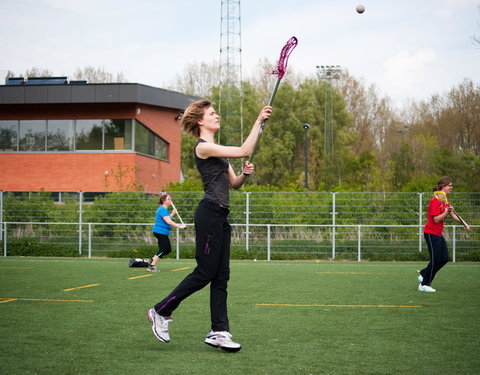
138,277
8,300
43,300
367,273
180,269
80,287
327,305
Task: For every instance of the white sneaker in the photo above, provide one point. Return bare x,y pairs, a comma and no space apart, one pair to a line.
222,340
153,269
159,325
425,288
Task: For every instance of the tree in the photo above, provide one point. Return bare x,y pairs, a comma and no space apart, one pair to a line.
33,72
402,165
375,147
461,116
476,38
89,73
38,72
98,75
197,79
371,114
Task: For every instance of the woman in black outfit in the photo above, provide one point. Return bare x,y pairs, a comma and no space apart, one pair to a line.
212,229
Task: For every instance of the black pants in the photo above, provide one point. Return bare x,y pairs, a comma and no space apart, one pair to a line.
213,234
164,246
437,248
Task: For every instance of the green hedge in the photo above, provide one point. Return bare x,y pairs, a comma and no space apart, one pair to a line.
29,247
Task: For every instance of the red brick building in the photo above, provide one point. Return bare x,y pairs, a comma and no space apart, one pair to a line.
57,135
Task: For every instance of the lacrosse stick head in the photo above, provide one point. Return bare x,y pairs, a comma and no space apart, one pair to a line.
284,55
441,196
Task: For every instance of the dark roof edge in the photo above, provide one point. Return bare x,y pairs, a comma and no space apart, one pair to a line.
94,93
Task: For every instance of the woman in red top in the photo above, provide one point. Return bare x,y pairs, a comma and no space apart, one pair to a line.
433,232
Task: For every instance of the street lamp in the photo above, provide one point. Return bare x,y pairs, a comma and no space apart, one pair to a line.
305,152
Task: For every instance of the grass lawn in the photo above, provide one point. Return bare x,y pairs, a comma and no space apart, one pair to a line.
87,316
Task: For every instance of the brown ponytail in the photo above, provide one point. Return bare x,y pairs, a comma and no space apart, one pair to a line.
444,181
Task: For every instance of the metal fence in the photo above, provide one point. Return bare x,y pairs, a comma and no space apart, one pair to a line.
266,225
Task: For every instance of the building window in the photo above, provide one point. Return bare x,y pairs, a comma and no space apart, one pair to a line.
89,135
147,142
8,135
118,134
161,148
80,135
32,135
140,138
60,135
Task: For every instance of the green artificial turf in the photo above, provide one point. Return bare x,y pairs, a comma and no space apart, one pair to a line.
290,317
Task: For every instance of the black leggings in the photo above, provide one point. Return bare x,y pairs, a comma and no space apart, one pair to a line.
164,246
213,234
437,248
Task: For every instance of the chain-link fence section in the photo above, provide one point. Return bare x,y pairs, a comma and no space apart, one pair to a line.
266,225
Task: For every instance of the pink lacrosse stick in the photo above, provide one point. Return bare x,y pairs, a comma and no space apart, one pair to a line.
280,72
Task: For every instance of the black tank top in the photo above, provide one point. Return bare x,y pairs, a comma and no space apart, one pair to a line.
214,173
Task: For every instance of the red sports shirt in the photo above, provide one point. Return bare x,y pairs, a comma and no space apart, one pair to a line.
435,208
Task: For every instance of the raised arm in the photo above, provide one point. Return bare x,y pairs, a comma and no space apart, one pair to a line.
209,149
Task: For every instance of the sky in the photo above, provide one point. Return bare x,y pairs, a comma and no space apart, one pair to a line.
408,49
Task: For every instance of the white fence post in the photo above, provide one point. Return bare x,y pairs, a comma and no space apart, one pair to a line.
1,213
359,248
247,220
177,257
420,221
80,219
334,231
89,240
5,239
268,242
454,240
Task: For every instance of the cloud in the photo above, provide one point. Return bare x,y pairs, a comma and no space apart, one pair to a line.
406,72
409,48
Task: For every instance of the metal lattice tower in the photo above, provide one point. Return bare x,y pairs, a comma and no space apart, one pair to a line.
328,73
230,104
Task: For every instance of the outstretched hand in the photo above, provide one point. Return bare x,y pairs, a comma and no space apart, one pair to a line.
265,113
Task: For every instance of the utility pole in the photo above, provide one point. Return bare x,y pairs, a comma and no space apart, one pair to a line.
230,106
328,73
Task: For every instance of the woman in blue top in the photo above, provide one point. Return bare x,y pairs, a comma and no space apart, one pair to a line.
212,230
161,229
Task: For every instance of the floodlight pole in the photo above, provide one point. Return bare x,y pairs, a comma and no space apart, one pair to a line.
328,73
